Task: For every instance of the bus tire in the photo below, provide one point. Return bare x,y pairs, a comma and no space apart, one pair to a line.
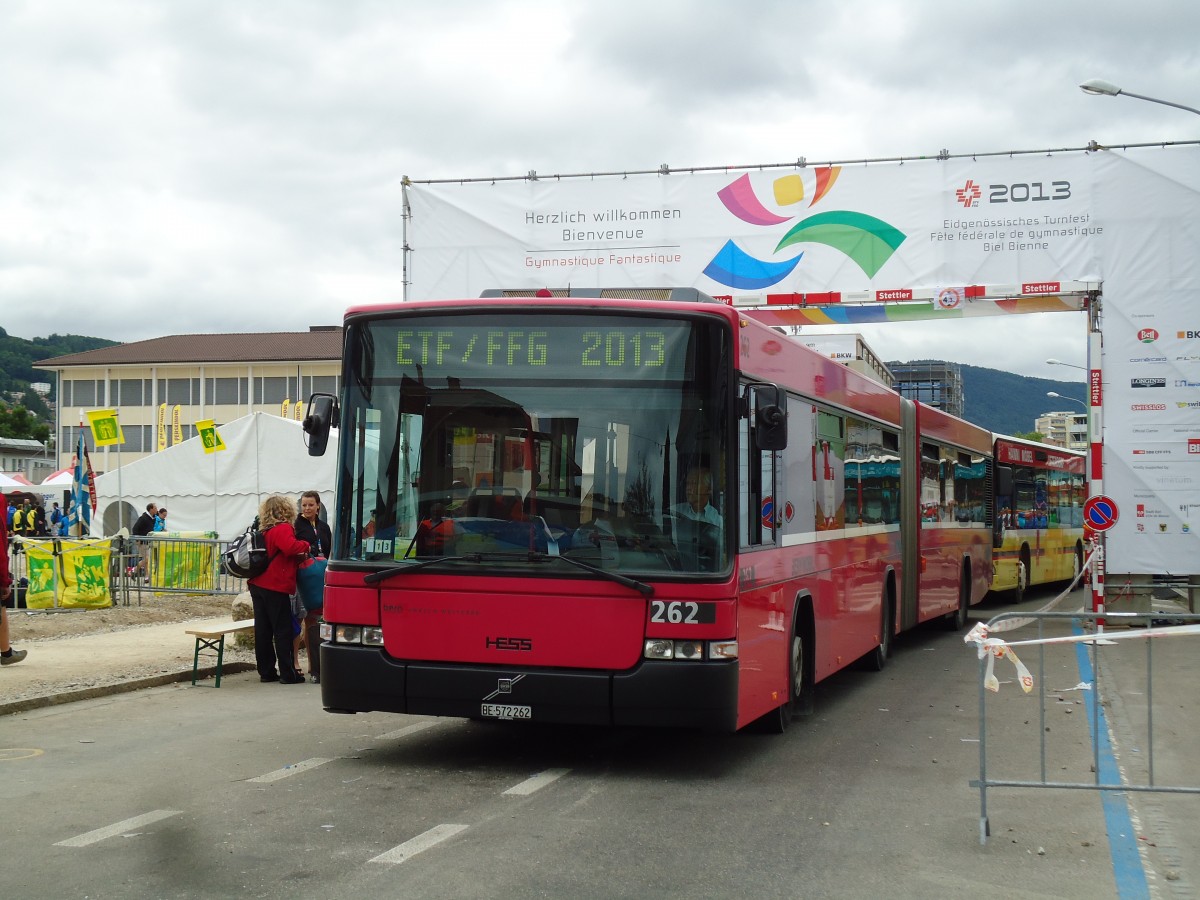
1077,566
957,620
1022,588
876,660
800,669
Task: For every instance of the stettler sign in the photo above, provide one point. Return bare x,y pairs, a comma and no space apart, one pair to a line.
889,241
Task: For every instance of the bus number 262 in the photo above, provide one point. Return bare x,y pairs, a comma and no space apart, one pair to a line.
682,612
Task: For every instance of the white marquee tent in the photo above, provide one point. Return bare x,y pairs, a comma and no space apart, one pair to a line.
218,491
62,478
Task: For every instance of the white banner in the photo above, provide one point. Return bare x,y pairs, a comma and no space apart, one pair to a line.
881,232
1151,333
886,228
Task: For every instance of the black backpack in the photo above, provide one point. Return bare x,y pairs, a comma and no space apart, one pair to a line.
246,556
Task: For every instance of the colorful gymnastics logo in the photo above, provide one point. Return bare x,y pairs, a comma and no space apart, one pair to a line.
868,241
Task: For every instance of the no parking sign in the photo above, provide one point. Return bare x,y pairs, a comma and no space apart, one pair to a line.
1100,513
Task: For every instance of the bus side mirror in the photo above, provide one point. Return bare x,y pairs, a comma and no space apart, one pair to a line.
322,410
770,417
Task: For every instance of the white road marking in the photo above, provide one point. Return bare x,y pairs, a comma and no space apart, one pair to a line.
537,782
294,769
100,834
406,731
419,844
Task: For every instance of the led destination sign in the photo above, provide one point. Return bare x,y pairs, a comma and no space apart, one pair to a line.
591,347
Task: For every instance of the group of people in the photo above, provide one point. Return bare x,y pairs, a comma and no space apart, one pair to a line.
153,519
292,539
280,625
31,520
8,655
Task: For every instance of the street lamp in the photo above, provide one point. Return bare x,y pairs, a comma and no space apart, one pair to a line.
1061,397
1059,362
1107,89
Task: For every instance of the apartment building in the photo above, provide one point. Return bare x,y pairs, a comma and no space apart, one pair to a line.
1063,429
197,376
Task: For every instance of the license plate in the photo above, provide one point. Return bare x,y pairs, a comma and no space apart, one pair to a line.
504,711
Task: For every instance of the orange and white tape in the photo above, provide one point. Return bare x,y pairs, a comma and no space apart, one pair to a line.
995,648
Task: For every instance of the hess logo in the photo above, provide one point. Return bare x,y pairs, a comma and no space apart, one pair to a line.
1147,335
508,643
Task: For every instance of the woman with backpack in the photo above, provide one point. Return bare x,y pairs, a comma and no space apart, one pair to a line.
312,528
272,591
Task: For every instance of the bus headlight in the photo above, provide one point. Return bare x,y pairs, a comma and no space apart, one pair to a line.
665,648
367,635
659,648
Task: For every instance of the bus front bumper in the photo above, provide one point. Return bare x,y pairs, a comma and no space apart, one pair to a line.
665,693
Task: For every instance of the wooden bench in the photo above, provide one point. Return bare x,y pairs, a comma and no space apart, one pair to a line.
214,639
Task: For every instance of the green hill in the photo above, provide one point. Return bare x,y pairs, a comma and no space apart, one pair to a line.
17,356
1007,403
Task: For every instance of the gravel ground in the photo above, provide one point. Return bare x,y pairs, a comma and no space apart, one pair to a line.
52,675
40,625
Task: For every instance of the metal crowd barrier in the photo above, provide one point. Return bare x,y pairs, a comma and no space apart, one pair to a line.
1090,648
146,566
170,565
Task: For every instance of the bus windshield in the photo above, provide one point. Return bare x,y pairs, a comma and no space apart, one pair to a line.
512,438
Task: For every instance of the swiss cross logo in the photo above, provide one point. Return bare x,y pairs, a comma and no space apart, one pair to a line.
968,195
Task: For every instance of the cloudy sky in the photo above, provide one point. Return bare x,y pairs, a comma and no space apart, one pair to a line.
203,165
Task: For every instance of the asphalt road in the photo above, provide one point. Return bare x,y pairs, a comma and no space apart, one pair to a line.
252,790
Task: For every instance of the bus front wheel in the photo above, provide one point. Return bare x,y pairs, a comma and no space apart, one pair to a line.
1018,593
800,700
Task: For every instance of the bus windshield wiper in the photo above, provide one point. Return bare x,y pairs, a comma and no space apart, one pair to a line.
646,589
530,556
385,574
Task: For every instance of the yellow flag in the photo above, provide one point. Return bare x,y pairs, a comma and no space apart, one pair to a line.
299,410
106,430
286,404
162,426
209,436
176,427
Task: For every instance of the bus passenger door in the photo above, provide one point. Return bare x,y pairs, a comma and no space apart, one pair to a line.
763,610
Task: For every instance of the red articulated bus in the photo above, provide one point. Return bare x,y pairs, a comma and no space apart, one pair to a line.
650,509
